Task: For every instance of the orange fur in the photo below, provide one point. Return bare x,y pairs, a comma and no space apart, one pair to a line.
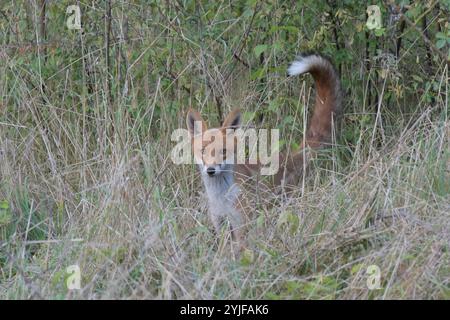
223,182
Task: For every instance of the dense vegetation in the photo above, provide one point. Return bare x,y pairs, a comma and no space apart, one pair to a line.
86,178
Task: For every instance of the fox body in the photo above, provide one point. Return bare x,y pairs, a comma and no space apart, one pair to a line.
215,149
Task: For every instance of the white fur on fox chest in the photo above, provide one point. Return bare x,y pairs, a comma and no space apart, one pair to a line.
222,194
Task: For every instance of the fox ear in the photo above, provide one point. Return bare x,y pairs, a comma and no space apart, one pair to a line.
233,120
195,123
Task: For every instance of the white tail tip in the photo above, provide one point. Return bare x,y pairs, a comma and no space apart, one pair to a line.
304,64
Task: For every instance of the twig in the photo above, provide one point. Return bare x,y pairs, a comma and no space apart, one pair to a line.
107,42
336,26
42,22
419,30
425,38
240,60
425,31
244,39
399,39
368,67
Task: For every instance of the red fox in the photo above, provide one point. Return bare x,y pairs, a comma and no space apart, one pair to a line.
223,179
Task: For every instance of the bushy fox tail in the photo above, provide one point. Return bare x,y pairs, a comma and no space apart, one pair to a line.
328,97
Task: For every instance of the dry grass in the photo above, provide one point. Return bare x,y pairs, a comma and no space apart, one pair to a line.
77,187
143,230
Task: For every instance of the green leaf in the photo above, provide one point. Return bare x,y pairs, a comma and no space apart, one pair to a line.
417,78
441,35
441,43
273,296
273,105
4,205
294,223
291,220
249,116
247,257
277,46
379,32
260,49
355,269
5,213
260,221
258,74
414,12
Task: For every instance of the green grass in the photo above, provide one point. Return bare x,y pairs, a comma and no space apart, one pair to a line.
90,183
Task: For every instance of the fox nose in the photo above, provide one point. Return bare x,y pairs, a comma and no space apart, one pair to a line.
211,171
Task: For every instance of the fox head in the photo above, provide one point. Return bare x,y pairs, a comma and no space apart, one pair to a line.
214,149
